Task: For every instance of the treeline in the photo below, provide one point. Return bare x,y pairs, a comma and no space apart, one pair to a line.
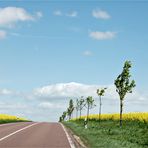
123,86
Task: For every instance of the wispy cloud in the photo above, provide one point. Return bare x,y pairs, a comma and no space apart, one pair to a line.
72,14
39,14
87,53
101,14
48,105
6,92
12,106
57,13
98,35
3,34
68,14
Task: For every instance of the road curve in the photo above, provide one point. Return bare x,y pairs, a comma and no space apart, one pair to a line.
39,135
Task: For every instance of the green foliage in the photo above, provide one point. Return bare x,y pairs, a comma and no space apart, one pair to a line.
81,104
90,102
60,119
124,85
100,93
89,105
70,108
64,115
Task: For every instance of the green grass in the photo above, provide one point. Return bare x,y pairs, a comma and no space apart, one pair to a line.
108,134
12,121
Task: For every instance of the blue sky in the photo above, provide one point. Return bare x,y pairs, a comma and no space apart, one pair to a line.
51,44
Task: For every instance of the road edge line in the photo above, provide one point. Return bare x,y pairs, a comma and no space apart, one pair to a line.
1,139
68,137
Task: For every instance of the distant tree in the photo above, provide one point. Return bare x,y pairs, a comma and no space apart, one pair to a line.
70,108
77,107
60,119
64,115
69,113
81,105
124,85
100,93
89,105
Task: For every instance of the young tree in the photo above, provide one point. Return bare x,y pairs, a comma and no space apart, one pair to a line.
69,113
77,107
64,115
81,105
100,93
60,119
70,108
89,105
124,85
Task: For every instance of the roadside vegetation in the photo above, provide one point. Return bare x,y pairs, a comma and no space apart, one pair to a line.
108,134
4,118
117,130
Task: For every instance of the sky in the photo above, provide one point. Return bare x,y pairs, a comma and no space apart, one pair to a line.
52,51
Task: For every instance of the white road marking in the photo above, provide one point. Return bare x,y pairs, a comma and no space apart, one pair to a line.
18,131
68,137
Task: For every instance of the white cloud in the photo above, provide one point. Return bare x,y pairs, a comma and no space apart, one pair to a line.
72,14
12,106
76,90
69,14
10,15
6,92
87,53
39,14
15,34
66,90
57,13
48,105
98,35
3,34
100,14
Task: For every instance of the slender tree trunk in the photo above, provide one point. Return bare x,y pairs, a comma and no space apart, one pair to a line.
76,113
87,113
71,115
80,112
121,110
100,109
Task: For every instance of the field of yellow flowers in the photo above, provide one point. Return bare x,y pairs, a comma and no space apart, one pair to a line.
135,116
4,118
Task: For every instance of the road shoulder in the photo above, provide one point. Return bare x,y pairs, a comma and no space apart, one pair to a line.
76,140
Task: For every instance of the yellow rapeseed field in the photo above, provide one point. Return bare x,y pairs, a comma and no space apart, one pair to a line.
9,118
140,116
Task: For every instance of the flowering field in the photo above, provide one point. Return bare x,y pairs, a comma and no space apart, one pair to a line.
135,116
4,118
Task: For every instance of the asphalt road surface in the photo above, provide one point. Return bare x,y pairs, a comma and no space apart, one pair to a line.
33,135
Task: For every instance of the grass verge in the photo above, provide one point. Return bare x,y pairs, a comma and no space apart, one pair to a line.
108,134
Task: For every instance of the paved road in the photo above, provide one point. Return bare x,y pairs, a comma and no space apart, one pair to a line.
33,135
